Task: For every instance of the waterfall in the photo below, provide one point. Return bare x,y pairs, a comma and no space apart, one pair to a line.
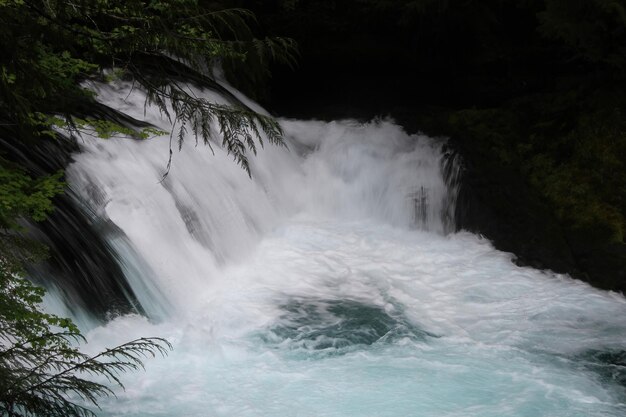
213,214
332,282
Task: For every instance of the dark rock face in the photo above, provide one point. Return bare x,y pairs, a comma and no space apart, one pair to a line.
602,264
496,203
81,265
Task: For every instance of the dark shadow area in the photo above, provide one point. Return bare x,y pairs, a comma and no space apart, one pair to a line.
81,265
609,365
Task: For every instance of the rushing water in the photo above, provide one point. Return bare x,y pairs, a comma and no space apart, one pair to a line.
329,284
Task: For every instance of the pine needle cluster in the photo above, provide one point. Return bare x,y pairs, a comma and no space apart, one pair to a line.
42,371
48,47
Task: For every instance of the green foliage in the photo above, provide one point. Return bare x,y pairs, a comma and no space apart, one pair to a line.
22,195
494,130
586,187
40,365
48,47
238,125
104,129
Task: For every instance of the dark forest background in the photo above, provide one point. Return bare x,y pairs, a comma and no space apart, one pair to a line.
531,92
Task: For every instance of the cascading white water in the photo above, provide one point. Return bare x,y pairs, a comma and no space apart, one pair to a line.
326,285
